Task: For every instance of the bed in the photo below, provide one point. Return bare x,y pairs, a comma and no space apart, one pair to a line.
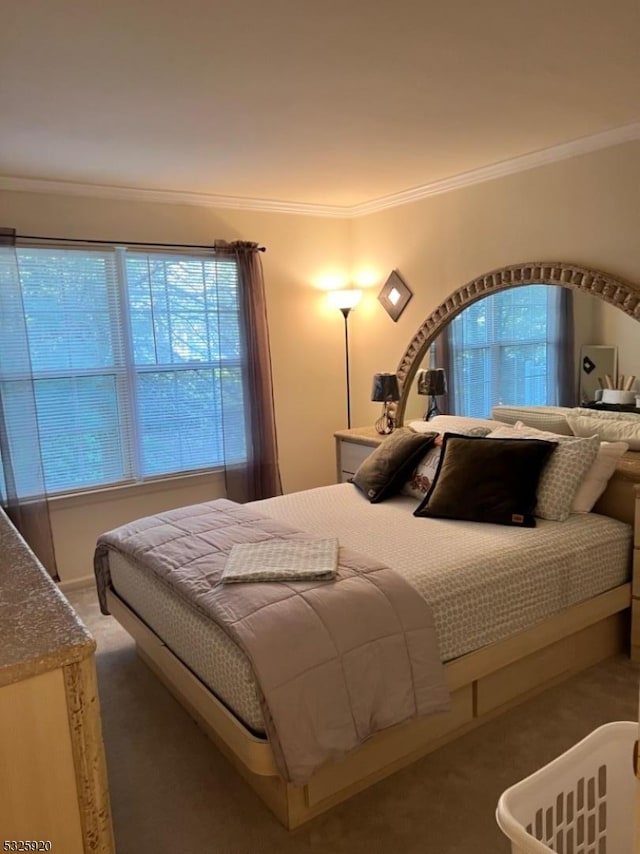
512,631
502,581
519,627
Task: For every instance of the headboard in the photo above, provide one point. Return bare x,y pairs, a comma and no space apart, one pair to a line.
618,500
605,286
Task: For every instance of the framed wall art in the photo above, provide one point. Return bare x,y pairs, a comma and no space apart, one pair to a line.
395,295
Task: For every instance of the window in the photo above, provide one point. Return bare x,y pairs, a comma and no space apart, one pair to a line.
505,349
136,360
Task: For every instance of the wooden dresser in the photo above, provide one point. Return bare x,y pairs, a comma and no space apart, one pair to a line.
352,447
53,780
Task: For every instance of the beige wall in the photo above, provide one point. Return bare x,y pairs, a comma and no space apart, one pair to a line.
78,520
583,210
615,327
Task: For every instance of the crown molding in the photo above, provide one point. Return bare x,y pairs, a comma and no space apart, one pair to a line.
584,145
172,197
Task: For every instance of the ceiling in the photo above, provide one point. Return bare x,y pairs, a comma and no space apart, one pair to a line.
338,102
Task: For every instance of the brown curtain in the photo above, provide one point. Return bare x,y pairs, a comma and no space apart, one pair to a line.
259,477
565,363
22,488
441,358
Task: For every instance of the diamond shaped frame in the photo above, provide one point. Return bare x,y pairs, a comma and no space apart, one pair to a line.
395,295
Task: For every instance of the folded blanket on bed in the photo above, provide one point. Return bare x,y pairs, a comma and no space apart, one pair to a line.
335,661
282,560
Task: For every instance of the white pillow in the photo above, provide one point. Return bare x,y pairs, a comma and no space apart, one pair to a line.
608,429
452,424
596,479
564,472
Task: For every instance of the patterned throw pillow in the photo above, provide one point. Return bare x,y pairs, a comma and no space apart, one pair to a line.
423,475
564,472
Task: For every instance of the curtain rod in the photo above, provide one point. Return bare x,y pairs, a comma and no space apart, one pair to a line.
126,242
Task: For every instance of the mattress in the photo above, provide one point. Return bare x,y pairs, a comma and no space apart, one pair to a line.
483,582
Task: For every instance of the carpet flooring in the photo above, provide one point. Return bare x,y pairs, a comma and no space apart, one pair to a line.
173,793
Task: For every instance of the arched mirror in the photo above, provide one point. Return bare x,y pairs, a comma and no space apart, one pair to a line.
604,311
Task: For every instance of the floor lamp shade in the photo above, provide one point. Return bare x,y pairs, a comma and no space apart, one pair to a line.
347,298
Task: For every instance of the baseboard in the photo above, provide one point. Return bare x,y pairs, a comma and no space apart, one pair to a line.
77,583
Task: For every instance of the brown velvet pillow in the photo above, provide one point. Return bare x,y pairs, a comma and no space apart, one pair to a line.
385,470
487,480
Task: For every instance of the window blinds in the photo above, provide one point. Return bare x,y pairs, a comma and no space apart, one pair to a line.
504,350
136,359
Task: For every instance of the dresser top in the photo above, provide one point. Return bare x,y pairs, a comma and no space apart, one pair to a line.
40,631
360,435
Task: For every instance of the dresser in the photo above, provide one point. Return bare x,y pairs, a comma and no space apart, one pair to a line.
53,780
352,447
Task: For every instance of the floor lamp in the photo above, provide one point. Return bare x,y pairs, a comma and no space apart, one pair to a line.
345,300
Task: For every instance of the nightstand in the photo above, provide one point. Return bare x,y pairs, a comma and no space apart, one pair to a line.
352,447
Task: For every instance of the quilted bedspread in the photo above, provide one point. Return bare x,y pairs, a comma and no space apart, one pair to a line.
335,661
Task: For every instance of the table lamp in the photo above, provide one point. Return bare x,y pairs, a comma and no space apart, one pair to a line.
433,382
385,390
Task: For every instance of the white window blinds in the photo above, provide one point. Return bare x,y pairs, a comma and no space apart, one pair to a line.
136,359
504,350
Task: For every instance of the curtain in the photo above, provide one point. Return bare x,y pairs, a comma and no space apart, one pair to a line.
565,349
441,358
259,477
22,489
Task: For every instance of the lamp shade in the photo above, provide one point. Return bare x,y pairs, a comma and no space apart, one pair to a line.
385,388
346,298
432,381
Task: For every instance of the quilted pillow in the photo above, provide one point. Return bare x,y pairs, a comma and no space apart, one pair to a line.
487,480
453,424
564,472
550,418
385,470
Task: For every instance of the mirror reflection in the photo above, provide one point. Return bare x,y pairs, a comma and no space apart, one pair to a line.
523,346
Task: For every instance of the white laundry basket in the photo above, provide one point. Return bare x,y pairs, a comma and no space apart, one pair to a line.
583,802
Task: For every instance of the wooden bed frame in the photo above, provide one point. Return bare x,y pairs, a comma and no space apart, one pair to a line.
482,683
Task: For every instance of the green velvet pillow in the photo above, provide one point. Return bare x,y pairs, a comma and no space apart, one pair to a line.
385,470
487,480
